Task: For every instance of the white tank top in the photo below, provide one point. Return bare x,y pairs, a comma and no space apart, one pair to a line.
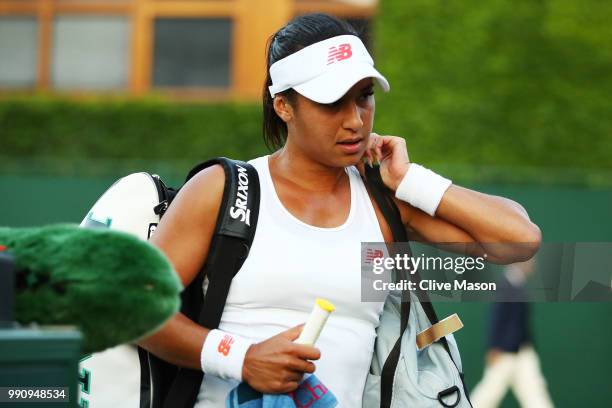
292,263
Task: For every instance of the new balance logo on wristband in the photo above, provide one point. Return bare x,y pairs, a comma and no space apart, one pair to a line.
223,354
340,53
225,345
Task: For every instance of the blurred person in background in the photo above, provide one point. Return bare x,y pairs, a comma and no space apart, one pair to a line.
511,360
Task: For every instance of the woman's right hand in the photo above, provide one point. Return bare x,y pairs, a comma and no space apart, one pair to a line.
276,365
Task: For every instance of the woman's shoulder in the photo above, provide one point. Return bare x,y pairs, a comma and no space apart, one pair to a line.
260,163
204,191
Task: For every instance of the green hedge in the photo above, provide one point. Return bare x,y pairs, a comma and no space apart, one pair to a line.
60,136
499,82
498,90
129,129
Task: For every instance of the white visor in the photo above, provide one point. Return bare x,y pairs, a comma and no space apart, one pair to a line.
323,72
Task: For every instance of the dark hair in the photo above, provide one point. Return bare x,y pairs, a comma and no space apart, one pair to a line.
300,32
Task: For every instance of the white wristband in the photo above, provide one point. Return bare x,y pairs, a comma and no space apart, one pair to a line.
422,188
223,354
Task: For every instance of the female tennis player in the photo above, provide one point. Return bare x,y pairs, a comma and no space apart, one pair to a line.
315,211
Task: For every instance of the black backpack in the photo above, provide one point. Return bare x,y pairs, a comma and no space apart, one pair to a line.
163,384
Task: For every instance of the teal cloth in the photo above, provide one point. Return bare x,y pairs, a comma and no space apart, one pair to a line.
311,393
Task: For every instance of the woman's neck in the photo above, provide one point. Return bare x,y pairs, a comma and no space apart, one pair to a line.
292,165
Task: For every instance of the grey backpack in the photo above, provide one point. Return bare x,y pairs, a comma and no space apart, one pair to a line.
400,374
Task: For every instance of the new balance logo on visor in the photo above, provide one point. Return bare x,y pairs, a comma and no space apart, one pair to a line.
339,53
225,345
323,71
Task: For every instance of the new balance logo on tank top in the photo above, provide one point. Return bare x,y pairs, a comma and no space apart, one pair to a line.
291,264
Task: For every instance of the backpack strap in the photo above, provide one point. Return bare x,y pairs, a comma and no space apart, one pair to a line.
383,198
234,233
392,215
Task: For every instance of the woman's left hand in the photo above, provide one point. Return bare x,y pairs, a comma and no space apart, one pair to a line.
392,154
463,215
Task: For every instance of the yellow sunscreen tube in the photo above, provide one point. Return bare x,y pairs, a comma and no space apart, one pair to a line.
317,319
